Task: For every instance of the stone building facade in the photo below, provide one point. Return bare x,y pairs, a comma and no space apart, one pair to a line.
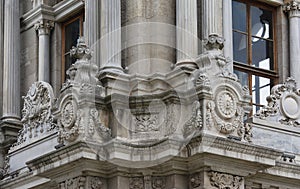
150,94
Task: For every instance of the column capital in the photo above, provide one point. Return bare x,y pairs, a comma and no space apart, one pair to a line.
44,27
292,8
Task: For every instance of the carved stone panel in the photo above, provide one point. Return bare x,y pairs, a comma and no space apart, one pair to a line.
225,181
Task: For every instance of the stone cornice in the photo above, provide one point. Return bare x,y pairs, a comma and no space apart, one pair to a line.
293,8
56,13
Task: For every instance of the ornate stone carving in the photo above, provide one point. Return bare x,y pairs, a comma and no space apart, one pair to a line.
146,122
95,124
44,27
202,80
158,183
36,113
69,121
136,183
195,180
81,183
68,114
5,170
283,104
95,183
226,104
78,182
225,181
169,121
293,7
81,51
195,123
214,41
226,114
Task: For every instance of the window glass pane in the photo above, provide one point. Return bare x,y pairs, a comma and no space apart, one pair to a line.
261,23
243,77
261,88
239,11
262,53
72,33
240,47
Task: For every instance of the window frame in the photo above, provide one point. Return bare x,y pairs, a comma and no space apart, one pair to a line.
63,37
247,67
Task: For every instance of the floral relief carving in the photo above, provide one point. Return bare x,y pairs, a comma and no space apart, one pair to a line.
195,122
146,122
225,181
226,104
136,183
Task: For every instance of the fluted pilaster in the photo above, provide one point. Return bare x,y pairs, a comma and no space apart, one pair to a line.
293,10
1,51
93,28
227,31
186,32
44,28
111,36
209,20
11,78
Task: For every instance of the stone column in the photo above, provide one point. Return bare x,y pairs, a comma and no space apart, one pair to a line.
11,67
209,18
227,32
92,28
111,36
1,51
186,33
44,27
293,9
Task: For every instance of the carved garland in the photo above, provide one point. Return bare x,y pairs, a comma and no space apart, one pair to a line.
146,122
136,183
195,180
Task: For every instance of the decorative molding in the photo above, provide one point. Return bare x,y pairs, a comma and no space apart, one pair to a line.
81,182
44,27
136,183
146,122
225,181
195,180
195,123
283,104
5,170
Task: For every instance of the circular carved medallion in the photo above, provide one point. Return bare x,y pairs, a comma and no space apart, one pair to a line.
68,114
290,106
226,104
